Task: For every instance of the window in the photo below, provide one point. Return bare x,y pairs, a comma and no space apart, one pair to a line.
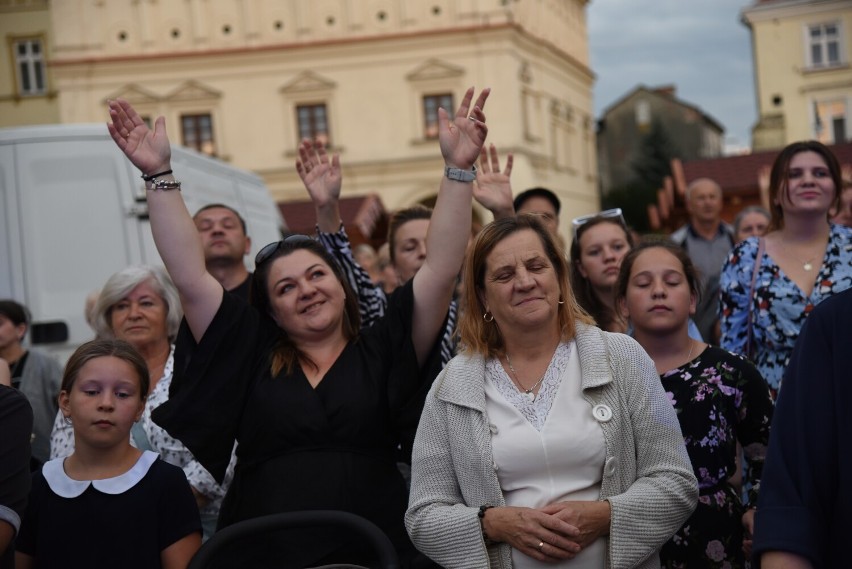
830,121
313,122
824,45
197,132
29,62
430,112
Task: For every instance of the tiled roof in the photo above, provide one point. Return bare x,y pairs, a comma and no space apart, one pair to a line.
739,174
362,212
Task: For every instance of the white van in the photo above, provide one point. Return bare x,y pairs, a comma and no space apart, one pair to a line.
73,211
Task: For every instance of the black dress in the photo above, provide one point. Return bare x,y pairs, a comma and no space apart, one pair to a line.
302,448
720,399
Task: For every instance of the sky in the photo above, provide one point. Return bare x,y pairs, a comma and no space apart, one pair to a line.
700,46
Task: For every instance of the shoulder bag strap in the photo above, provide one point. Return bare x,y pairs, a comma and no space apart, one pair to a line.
761,243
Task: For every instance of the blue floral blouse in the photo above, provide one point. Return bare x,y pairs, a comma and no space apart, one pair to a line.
779,307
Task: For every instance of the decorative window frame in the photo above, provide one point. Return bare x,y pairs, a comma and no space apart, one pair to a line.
308,88
434,77
12,45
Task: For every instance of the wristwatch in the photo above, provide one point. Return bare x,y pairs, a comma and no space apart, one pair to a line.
460,175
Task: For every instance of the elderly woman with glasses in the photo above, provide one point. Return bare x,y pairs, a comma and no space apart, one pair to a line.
312,402
547,442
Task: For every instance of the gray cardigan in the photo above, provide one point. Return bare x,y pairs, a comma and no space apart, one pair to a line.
647,476
40,383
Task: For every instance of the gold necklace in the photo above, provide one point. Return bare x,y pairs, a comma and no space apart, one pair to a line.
528,392
806,265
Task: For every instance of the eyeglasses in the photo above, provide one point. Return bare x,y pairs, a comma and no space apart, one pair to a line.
614,213
264,254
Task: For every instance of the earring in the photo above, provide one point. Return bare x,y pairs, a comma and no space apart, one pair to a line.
560,301
488,317
67,421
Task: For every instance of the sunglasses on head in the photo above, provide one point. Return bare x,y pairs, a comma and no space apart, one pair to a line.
264,254
614,213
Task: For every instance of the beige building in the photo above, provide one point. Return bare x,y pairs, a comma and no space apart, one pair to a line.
802,57
247,79
27,91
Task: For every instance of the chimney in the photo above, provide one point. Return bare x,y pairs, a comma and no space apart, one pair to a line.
666,90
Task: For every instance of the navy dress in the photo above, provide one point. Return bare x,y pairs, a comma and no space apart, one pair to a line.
302,448
720,399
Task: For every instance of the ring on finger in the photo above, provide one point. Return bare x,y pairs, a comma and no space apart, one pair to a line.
540,545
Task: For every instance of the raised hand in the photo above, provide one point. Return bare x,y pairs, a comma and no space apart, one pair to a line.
147,149
492,188
321,176
462,137
541,536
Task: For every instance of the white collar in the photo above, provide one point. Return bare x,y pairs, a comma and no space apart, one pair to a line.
66,487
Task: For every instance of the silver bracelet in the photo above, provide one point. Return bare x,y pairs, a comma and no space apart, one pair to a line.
163,185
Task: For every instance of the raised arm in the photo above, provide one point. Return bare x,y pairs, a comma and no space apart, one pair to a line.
493,188
323,179
461,138
174,232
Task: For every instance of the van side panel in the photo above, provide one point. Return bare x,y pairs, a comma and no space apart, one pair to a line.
75,231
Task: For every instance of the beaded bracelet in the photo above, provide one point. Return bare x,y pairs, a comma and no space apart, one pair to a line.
481,514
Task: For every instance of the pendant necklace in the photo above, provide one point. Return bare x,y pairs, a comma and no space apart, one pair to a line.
528,392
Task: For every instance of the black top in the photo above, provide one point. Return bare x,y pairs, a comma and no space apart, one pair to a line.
16,425
302,448
104,529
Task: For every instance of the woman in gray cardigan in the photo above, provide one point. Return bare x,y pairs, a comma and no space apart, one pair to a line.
547,441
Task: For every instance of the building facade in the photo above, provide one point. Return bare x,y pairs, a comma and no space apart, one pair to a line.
802,56
245,80
27,90
689,132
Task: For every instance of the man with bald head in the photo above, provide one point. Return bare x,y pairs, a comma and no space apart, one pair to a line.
708,240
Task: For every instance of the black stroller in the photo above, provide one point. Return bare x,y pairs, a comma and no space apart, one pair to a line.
372,535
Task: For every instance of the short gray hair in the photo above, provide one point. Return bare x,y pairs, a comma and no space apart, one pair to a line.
119,285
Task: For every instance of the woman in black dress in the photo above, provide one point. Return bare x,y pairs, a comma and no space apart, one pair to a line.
313,403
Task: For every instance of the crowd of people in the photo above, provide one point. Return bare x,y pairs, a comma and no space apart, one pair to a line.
485,396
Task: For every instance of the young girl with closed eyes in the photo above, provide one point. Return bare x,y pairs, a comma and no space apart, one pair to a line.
720,399
108,504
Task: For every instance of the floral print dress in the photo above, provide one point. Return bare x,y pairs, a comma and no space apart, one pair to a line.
779,307
720,399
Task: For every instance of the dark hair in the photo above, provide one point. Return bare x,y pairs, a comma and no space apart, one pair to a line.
16,312
582,287
106,348
223,206
481,337
286,353
400,218
779,176
680,254
536,193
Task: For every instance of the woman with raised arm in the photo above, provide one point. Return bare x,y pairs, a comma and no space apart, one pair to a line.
311,400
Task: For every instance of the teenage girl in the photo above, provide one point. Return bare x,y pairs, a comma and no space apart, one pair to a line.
108,504
600,242
720,400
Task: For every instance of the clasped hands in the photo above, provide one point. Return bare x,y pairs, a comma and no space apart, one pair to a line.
555,532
